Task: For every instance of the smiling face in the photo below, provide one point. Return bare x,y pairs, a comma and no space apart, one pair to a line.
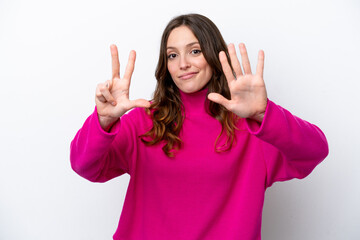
185,61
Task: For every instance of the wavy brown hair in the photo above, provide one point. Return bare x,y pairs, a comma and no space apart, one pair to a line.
166,107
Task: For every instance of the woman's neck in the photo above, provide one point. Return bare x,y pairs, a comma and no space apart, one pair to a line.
194,103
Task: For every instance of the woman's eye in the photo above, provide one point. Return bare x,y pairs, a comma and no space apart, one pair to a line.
172,55
196,51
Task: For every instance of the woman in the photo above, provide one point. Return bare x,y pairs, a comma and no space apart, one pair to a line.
203,152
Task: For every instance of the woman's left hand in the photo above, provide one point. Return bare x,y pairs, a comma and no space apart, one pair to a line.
248,92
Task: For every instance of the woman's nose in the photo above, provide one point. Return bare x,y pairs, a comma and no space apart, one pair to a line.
184,63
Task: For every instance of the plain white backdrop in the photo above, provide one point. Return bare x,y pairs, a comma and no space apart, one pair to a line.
54,53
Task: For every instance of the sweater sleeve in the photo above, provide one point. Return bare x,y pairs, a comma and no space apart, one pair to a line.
292,147
100,156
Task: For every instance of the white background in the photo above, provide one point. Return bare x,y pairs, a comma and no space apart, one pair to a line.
53,54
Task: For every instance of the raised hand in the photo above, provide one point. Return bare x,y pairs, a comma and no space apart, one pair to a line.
112,97
248,92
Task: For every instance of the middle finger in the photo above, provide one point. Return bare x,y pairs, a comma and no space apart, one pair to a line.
245,59
234,60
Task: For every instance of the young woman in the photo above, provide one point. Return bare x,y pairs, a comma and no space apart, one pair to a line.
201,154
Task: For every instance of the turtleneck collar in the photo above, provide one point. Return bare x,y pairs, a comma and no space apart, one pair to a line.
194,103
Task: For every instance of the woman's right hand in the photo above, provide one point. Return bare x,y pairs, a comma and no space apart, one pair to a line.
112,97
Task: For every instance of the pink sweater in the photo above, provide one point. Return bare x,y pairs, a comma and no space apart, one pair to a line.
199,194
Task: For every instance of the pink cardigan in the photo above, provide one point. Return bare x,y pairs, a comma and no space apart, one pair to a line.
200,194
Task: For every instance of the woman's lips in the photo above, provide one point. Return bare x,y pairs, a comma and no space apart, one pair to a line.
187,75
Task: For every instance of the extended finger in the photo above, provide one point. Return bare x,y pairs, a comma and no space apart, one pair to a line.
245,59
226,67
260,64
218,98
234,60
115,61
130,65
140,103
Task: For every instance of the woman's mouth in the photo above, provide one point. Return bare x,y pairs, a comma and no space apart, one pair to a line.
186,76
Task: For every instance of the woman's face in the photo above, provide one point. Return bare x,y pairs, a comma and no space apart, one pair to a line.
185,61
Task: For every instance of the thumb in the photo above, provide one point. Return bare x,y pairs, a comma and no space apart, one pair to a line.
140,103
218,98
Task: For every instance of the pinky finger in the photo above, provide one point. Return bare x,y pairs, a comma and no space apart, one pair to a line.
108,97
100,97
98,94
103,94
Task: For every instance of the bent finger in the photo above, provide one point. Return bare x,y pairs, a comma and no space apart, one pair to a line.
105,93
98,94
109,83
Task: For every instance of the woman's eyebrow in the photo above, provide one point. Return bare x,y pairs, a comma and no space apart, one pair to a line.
187,45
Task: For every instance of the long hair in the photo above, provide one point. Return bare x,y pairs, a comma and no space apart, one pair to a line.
166,105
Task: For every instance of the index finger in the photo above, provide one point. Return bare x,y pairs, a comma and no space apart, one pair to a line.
115,61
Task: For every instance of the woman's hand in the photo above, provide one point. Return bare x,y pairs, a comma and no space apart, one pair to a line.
112,97
248,92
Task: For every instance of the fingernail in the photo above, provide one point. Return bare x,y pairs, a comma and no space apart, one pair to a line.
113,103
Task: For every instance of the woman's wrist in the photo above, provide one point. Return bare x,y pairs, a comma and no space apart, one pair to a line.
258,117
107,122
